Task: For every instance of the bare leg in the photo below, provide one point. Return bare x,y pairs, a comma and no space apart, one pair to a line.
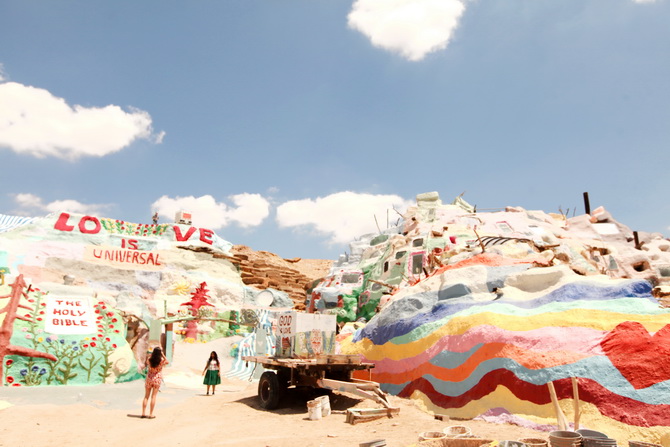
208,390
153,401
213,389
147,391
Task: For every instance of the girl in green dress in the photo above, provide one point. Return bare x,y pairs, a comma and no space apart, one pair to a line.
211,372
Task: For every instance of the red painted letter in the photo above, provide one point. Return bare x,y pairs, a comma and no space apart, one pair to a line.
82,225
132,244
61,223
206,236
179,236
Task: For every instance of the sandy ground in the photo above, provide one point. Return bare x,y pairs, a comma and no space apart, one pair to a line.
107,415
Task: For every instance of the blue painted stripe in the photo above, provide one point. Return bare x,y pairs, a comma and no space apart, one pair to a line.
239,369
597,368
8,223
624,306
581,291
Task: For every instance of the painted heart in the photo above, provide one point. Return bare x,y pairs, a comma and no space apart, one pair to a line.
641,358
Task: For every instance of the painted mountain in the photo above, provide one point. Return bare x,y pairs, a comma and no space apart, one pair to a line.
483,315
82,296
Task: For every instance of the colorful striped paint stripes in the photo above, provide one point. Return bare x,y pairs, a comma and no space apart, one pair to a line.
467,357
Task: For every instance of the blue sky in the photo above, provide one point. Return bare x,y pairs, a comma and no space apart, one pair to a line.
289,125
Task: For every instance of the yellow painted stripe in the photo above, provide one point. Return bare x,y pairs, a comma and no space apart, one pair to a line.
544,414
589,318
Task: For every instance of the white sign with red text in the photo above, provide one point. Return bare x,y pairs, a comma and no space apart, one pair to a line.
65,316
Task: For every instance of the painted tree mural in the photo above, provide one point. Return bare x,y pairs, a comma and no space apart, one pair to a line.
198,300
10,312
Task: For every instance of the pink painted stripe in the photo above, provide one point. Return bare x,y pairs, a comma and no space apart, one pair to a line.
583,341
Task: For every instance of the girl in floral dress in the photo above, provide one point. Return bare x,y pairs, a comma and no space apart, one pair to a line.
155,364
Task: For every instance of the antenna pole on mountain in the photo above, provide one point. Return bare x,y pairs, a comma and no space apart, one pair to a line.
587,205
377,223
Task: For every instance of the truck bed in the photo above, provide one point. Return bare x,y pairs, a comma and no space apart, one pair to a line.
323,362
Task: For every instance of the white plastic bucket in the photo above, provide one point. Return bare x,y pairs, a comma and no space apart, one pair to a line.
427,435
314,410
325,405
457,431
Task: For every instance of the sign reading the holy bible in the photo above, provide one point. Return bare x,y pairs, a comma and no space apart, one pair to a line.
65,316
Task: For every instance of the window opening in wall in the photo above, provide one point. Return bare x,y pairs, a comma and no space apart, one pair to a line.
504,227
417,242
400,254
417,264
350,278
640,267
386,266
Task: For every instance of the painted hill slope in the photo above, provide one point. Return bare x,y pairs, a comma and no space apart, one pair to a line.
475,315
95,286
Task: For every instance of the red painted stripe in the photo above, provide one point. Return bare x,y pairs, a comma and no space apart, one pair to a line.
619,408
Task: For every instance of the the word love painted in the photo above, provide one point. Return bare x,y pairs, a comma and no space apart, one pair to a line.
92,225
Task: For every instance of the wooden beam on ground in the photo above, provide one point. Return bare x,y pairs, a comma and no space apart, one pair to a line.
356,415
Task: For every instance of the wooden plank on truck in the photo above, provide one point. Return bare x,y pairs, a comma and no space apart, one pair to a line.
339,359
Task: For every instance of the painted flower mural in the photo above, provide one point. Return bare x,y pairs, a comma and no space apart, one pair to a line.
82,356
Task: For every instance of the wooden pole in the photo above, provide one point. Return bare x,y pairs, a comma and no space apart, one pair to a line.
637,240
562,422
587,205
481,244
575,401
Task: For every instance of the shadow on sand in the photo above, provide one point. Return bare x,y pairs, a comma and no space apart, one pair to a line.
295,401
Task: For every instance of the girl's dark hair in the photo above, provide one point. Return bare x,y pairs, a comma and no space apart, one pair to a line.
156,357
213,357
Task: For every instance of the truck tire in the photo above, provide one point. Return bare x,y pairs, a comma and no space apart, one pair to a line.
270,391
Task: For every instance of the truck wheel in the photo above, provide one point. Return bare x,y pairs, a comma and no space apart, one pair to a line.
269,390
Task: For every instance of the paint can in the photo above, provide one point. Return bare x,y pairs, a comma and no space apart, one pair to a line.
314,410
428,435
565,438
458,431
375,443
534,442
325,405
591,433
511,444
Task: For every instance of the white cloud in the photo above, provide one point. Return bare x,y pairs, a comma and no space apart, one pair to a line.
3,75
158,139
30,205
250,210
412,28
342,216
644,1
28,201
35,122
